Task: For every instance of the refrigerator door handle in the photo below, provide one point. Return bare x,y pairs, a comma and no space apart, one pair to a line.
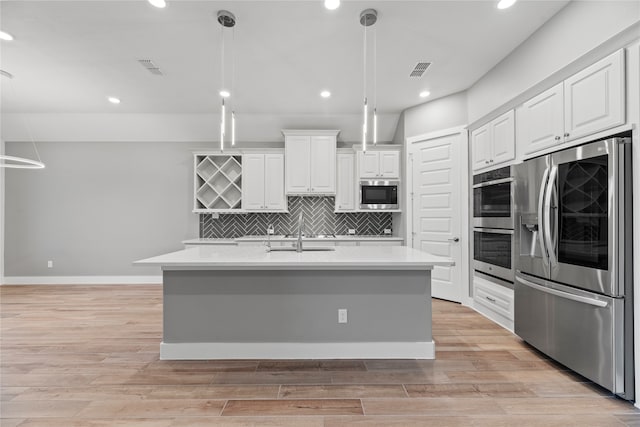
541,226
562,294
551,250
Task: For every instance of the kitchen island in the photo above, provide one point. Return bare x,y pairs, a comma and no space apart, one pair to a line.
237,302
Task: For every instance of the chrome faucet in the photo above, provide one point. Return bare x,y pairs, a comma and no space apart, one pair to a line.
270,231
300,227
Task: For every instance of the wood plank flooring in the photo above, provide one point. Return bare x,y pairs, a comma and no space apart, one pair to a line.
88,356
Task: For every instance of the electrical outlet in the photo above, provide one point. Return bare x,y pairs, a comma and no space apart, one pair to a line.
387,231
342,315
351,231
49,264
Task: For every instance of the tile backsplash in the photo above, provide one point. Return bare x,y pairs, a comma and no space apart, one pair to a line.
319,216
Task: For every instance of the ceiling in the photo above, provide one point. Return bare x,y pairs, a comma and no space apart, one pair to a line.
68,56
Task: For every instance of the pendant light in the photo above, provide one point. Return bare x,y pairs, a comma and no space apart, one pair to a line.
368,17
226,19
14,162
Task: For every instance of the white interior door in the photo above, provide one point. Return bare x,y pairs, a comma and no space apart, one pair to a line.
437,215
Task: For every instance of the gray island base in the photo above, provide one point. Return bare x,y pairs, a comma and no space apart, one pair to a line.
245,303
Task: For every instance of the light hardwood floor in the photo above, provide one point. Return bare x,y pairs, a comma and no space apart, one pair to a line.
88,356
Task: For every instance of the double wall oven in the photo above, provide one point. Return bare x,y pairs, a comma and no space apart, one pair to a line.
493,222
573,287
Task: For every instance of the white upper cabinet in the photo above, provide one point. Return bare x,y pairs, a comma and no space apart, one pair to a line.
310,162
594,97
590,101
346,182
297,154
263,182
379,164
494,143
542,120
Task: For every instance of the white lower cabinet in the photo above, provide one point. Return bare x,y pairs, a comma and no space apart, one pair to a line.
263,182
494,301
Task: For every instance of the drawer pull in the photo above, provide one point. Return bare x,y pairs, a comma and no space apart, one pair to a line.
493,300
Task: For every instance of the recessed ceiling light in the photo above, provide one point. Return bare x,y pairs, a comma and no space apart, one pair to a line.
225,93
332,4
504,4
5,36
424,94
325,94
113,100
158,3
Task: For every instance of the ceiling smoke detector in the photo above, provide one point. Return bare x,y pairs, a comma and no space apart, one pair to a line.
420,69
150,66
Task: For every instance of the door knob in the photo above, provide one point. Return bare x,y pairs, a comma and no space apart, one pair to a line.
455,239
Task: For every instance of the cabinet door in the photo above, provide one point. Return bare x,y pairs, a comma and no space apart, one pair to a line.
369,164
481,147
503,131
323,164
389,162
542,121
297,155
346,182
594,97
274,181
253,182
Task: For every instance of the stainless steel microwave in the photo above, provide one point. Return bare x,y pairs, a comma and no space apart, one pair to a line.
379,195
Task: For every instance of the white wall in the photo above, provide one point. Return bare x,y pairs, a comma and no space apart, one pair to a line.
571,34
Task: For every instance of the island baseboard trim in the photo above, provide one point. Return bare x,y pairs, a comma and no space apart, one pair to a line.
81,280
288,350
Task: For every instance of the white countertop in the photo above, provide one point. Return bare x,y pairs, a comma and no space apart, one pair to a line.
209,257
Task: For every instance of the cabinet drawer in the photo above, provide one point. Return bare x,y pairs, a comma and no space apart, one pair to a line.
494,297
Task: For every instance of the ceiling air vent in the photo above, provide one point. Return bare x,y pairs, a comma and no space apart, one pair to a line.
419,69
150,66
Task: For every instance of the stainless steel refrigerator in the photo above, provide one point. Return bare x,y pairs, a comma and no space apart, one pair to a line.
573,260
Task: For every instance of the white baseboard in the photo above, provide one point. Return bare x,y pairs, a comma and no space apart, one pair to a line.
81,280
290,350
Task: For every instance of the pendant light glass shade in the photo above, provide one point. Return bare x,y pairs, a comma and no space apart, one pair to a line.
227,20
368,17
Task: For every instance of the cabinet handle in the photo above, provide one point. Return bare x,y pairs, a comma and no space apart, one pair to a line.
486,162
566,135
557,138
490,299
491,161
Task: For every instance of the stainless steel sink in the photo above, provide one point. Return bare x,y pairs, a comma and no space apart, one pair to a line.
293,249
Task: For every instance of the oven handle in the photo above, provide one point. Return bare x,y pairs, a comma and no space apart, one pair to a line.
493,230
543,247
551,253
494,182
562,294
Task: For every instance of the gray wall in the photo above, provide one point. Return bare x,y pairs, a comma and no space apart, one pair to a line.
443,113
570,34
97,207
